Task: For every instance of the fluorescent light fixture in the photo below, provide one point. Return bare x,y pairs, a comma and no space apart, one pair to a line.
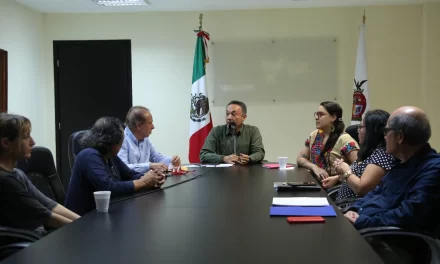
121,2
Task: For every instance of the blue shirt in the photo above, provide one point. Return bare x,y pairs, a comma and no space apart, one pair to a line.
408,196
137,154
92,173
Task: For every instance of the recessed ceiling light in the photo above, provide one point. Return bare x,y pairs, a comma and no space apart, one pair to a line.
121,2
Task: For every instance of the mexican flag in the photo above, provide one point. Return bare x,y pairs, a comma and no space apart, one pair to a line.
360,94
200,123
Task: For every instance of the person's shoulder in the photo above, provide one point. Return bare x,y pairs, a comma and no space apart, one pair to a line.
252,128
11,179
127,131
7,176
218,129
433,158
428,155
379,152
87,153
430,164
315,132
19,174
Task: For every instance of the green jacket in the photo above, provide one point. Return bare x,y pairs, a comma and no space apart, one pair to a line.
220,143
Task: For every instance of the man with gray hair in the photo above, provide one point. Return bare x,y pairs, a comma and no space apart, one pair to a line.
409,195
137,151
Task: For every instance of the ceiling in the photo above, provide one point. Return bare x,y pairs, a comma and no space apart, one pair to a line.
87,6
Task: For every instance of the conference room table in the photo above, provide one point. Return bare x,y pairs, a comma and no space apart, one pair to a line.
211,215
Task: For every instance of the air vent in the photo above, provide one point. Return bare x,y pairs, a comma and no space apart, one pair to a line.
121,2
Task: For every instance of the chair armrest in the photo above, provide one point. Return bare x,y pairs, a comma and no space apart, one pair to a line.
333,191
393,230
15,246
26,235
346,201
10,249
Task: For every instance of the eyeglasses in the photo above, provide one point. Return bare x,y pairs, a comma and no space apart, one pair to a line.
386,130
318,115
360,127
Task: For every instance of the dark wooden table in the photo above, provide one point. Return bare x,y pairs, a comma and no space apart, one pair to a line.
220,217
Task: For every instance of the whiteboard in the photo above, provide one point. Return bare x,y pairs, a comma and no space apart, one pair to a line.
278,70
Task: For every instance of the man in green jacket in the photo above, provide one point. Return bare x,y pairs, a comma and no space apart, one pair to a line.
234,142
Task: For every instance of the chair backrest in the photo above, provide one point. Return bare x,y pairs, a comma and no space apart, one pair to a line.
13,240
353,132
74,147
41,171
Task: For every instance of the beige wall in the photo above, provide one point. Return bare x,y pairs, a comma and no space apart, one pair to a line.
430,67
163,47
22,35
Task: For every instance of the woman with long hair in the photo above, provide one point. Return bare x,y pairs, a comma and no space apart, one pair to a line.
327,143
372,163
23,205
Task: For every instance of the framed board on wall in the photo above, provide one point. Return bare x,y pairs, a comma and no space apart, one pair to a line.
3,80
301,69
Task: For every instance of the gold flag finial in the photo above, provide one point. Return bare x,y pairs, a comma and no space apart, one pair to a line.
200,21
364,18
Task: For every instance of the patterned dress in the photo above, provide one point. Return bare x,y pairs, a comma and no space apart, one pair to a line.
344,145
379,157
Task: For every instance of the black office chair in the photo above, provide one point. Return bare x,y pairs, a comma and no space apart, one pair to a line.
41,171
396,245
14,239
333,192
74,147
353,132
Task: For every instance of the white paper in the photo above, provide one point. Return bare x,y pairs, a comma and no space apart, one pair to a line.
208,165
191,166
300,201
219,165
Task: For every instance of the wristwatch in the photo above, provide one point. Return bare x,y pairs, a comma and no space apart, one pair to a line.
346,175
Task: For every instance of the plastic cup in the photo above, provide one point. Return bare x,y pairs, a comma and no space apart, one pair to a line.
282,162
102,200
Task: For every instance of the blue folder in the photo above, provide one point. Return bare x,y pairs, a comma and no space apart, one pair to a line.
302,211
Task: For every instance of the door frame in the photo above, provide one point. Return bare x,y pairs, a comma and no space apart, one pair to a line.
56,45
4,81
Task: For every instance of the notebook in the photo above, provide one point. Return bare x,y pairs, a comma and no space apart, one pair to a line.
300,201
302,211
274,166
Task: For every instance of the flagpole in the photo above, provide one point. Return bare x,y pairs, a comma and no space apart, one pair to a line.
200,22
364,18
200,116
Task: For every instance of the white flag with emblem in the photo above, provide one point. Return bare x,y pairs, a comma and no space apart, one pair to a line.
360,94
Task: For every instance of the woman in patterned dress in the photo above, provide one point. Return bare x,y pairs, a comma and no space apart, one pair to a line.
328,143
372,163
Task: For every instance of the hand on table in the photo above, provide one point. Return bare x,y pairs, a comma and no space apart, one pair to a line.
175,161
153,178
351,216
158,167
330,182
231,159
321,173
243,159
